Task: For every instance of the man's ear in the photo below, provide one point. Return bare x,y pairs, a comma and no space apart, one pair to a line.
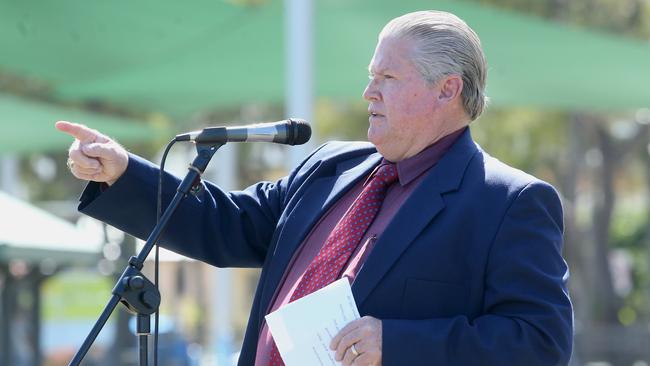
451,87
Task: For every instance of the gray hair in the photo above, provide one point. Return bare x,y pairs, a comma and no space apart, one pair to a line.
445,45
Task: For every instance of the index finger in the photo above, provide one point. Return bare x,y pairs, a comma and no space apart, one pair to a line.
78,131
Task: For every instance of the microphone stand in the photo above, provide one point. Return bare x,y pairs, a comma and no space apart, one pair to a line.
133,289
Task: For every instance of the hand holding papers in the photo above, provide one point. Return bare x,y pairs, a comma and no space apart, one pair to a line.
303,329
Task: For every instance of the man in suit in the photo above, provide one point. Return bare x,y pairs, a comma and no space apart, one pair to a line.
454,257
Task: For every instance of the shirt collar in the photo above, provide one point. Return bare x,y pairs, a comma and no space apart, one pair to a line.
411,168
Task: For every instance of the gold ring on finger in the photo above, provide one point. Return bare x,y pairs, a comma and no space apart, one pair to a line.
354,351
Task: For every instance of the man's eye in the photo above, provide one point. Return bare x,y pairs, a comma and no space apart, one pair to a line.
382,76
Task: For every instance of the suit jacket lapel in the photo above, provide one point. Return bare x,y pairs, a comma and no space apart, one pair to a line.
313,204
417,212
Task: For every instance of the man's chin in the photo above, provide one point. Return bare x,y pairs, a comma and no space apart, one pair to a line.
376,140
372,137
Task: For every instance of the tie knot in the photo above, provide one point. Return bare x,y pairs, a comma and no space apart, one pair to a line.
387,173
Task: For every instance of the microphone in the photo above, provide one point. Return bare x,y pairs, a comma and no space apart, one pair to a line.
291,131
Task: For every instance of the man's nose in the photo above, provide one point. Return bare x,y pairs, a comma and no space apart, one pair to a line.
371,93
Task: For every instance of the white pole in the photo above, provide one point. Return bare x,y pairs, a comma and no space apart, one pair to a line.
298,20
224,174
9,170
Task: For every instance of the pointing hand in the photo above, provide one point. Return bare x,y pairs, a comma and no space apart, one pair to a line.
92,155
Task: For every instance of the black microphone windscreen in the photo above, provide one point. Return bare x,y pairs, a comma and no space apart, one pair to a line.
300,130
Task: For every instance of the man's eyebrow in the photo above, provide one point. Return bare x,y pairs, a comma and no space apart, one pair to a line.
378,70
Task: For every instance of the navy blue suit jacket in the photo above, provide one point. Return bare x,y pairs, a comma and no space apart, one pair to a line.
469,272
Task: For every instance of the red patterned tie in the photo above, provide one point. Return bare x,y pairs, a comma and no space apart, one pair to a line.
343,240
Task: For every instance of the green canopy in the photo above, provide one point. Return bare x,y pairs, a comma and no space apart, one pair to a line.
182,58
29,126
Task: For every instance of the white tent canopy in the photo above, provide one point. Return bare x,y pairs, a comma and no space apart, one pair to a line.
32,234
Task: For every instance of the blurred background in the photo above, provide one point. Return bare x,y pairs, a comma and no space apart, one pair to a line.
569,83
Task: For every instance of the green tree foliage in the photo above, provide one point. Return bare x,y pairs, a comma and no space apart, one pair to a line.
530,139
625,17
